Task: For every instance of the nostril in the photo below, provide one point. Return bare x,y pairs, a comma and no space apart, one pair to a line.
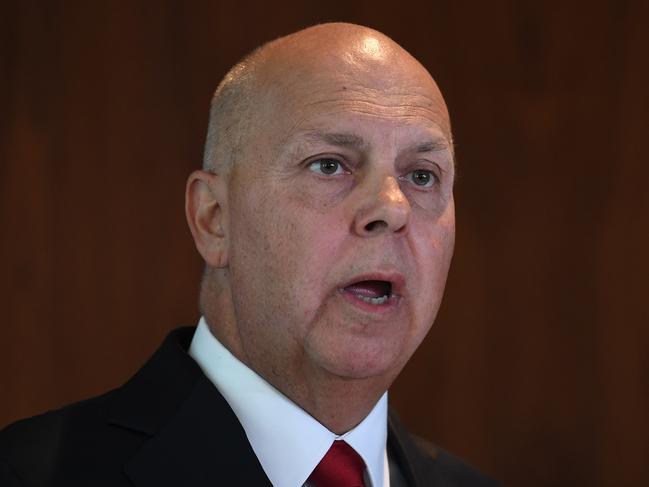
375,225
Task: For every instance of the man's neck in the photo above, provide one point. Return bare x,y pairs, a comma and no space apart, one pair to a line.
288,440
338,403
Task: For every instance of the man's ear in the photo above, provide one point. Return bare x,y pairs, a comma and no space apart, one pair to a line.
206,211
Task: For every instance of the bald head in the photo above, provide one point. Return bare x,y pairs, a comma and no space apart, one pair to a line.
341,59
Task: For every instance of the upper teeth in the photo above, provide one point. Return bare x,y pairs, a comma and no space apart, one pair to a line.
367,299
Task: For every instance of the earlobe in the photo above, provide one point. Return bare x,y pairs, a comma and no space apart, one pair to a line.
206,212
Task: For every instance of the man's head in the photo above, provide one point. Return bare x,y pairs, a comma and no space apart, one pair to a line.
325,214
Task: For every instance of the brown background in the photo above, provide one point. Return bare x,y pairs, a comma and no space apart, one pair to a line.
536,370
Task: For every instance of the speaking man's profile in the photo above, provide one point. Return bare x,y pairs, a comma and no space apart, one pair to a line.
324,213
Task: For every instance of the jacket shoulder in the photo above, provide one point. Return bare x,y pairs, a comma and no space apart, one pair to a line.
453,470
428,464
30,448
92,439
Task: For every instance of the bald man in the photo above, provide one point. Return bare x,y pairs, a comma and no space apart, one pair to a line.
324,213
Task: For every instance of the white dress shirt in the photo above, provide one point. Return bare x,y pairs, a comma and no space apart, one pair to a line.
288,442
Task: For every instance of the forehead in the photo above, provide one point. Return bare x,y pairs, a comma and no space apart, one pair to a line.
368,86
349,105
424,143
365,134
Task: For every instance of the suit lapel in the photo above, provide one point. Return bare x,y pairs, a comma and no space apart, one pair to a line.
192,435
202,445
418,468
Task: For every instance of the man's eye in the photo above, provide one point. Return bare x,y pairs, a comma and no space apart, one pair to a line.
327,166
421,177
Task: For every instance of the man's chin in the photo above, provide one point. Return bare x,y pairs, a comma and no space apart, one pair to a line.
366,362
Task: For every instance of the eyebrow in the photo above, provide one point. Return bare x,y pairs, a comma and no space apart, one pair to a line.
340,139
433,145
357,142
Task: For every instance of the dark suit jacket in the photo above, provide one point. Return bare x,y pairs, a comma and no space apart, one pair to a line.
169,426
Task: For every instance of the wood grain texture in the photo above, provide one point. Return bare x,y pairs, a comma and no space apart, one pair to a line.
536,370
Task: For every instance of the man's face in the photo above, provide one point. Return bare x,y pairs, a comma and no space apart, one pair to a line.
341,222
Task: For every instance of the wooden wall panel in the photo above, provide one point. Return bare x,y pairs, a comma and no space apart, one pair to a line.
536,370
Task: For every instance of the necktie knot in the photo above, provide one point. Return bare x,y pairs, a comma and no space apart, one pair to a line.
340,467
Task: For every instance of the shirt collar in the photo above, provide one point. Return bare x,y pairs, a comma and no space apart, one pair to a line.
288,442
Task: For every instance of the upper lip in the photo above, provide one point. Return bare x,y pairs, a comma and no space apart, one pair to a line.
396,280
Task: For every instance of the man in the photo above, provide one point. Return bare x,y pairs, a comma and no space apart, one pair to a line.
324,213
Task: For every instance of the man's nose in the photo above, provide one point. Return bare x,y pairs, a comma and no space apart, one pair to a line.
384,208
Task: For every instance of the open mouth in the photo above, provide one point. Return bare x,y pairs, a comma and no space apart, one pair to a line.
371,292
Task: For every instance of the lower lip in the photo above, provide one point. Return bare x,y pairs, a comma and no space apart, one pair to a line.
389,306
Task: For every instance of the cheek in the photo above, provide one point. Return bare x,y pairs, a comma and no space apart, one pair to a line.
441,234
263,238
261,274
284,248
434,252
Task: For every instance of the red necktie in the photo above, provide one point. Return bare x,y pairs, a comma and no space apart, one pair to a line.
340,467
